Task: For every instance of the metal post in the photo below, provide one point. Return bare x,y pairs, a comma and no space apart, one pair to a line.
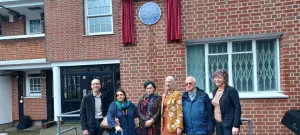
250,127
58,125
75,131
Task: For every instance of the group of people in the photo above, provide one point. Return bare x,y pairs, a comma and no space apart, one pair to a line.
173,113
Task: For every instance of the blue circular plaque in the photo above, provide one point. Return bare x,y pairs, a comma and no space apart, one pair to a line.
150,13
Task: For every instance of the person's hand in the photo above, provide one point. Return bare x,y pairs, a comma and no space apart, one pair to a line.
85,132
179,130
235,131
118,128
148,123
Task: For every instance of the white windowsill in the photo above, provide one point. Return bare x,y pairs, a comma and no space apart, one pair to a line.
259,95
98,34
22,36
32,97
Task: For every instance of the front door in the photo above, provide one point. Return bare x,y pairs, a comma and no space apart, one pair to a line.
76,83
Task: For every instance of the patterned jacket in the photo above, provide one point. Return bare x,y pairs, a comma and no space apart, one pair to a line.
174,107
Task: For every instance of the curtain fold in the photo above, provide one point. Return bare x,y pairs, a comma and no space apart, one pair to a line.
127,22
173,20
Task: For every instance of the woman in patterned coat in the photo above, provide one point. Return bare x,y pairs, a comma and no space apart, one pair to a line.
172,118
149,111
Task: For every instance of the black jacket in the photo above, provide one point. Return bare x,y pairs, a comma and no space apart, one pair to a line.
230,107
87,110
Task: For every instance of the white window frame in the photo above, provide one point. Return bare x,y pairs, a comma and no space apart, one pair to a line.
41,25
28,94
87,28
246,95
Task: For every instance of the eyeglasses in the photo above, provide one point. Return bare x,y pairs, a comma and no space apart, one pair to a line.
189,83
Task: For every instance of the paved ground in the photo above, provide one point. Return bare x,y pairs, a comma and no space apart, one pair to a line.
48,131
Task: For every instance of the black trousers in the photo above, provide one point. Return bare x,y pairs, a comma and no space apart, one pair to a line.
97,130
221,130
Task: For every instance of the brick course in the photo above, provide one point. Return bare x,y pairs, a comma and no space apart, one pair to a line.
154,58
20,49
65,30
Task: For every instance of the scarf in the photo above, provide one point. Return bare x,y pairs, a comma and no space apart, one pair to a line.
124,107
150,98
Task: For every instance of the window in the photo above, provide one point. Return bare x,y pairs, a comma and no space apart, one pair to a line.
33,84
35,26
98,17
252,64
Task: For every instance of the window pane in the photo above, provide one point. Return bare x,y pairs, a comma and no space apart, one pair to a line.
107,3
242,72
216,62
90,4
108,19
217,48
103,28
266,62
242,46
107,10
101,10
196,64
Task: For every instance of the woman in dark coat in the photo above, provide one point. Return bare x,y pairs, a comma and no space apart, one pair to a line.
125,111
149,106
226,104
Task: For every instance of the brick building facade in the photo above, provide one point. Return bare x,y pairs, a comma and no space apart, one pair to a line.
70,47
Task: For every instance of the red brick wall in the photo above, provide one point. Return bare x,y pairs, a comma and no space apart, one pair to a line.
154,58
15,101
36,108
18,27
20,49
65,30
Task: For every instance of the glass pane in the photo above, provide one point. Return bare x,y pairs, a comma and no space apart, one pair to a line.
90,4
103,28
107,10
102,3
242,72
90,11
96,11
196,64
101,10
266,62
242,46
97,28
217,48
107,3
108,19
216,62
108,28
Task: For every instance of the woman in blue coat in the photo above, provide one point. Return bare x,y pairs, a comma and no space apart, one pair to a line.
125,112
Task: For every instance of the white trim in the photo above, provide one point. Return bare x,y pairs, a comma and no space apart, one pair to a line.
206,68
26,61
22,36
229,54
255,87
278,64
99,34
27,65
259,95
28,85
81,63
21,5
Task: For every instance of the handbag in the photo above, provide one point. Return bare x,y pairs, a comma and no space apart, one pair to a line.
104,123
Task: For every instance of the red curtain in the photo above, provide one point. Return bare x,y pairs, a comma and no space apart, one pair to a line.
173,20
127,22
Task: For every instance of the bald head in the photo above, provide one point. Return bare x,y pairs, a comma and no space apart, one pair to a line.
96,85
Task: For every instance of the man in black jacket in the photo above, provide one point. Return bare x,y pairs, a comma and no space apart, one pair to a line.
93,110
